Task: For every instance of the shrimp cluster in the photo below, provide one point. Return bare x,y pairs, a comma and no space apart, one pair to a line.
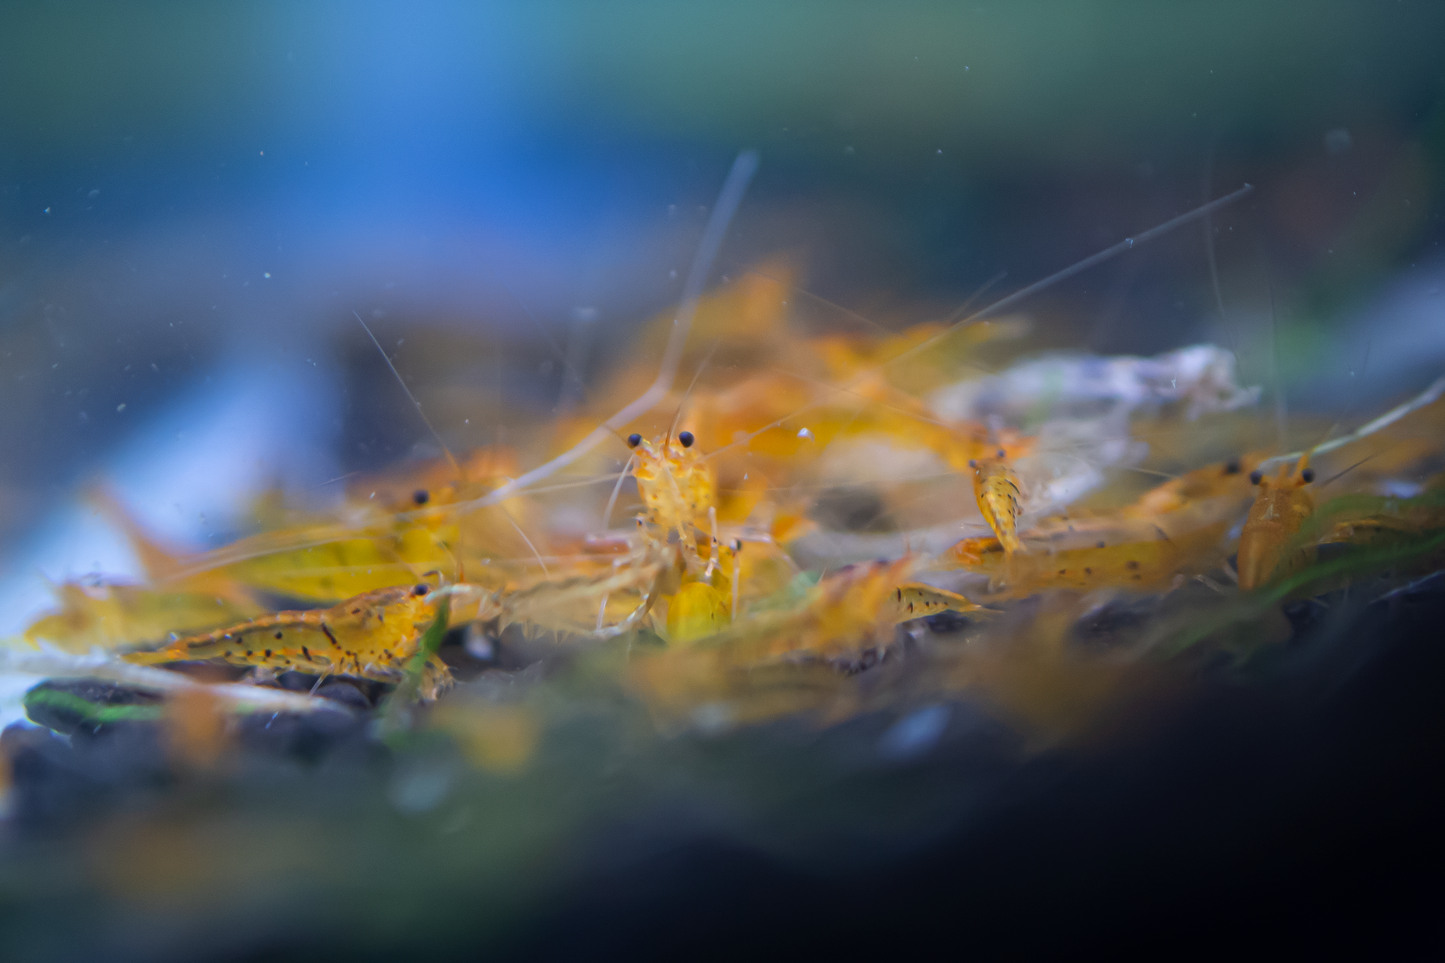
810,495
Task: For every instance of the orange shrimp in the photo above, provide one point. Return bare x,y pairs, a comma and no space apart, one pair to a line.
996,488
1138,564
678,487
372,636
850,611
1279,510
680,494
1220,480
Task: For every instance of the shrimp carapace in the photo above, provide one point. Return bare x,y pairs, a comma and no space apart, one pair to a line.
1282,505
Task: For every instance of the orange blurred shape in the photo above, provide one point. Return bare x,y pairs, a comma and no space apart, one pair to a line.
497,738
196,728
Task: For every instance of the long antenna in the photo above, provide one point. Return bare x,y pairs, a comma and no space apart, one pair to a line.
982,290
1427,397
817,297
733,190
1281,410
1109,253
456,466
1209,247
412,398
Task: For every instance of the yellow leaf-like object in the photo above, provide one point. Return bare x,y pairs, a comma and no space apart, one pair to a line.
335,568
696,611
111,616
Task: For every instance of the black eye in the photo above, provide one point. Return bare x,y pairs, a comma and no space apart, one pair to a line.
420,589
1232,467
1255,476
686,438
633,440
1308,475
421,496
973,463
1000,453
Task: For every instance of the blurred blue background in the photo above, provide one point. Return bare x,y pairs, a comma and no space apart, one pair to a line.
194,198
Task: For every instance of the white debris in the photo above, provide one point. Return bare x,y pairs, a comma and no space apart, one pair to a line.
1201,378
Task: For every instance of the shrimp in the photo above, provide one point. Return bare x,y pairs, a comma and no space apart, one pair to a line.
1129,548
372,636
677,335
679,493
1280,508
849,611
1222,480
113,616
1139,564
678,488
996,488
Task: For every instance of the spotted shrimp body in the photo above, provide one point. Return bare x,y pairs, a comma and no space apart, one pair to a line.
373,636
996,489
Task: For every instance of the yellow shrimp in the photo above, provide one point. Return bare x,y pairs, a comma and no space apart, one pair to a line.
678,487
1280,508
996,489
1139,564
849,611
372,636
679,493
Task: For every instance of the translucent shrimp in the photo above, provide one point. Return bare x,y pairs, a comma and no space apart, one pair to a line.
678,487
372,636
1134,562
1282,506
996,488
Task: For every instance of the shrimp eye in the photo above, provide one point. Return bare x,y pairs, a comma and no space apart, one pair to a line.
420,589
421,496
1255,476
633,440
1232,467
1308,475
686,438
973,463
1000,453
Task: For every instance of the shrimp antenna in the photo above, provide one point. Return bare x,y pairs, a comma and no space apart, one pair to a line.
1209,245
456,466
728,201
1281,409
1109,253
1427,397
568,369
1349,408
1342,474
691,385
968,302
616,490
819,298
